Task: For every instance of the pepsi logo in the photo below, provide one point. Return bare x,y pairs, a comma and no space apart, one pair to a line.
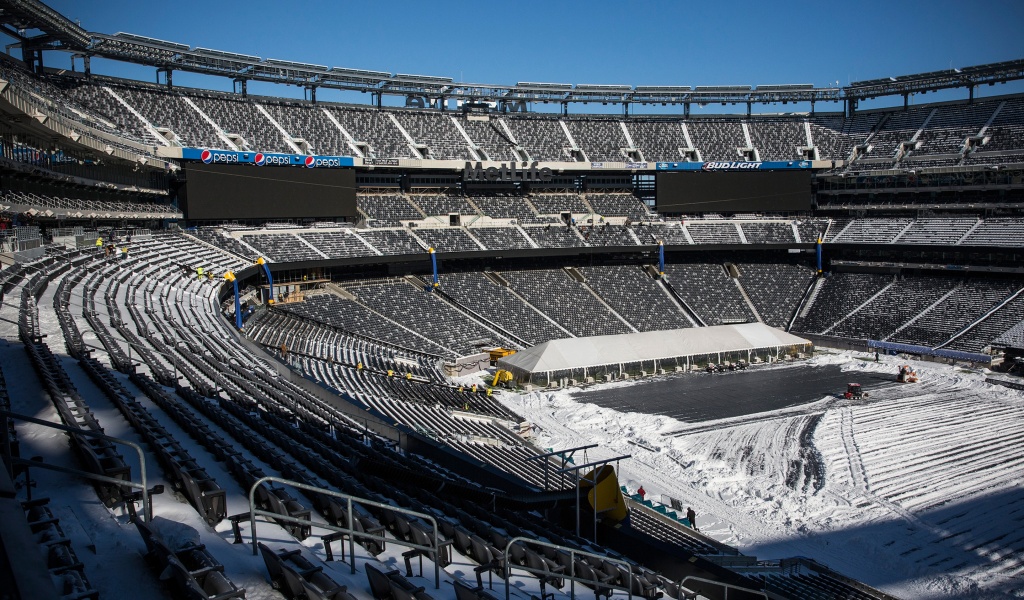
259,159
310,162
206,156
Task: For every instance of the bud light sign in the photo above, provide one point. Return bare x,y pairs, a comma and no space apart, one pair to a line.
261,159
738,165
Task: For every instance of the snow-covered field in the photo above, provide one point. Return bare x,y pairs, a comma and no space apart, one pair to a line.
916,489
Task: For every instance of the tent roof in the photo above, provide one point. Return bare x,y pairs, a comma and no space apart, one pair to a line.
573,353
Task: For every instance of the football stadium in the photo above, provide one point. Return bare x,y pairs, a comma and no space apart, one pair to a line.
527,341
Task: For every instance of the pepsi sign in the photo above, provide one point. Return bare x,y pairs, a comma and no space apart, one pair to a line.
260,159
217,156
322,161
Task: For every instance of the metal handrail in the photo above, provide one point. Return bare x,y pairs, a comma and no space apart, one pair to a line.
253,511
725,586
571,576
147,509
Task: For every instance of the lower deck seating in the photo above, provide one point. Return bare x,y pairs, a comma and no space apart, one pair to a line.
428,315
775,289
710,291
838,295
353,317
906,298
642,300
304,438
980,335
970,301
500,305
566,301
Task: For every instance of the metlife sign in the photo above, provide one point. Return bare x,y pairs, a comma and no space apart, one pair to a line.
264,159
734,166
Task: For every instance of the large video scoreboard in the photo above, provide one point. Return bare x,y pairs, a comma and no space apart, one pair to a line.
729,191
246,191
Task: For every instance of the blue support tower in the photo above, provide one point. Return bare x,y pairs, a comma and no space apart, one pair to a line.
238,305
661,257
433,264
270,278
818,247
230,276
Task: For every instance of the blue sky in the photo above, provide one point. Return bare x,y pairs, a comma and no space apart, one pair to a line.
600,41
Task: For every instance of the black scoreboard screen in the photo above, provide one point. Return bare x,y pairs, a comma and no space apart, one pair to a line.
730,191
214,192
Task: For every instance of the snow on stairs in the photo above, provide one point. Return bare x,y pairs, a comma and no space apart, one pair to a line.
815,290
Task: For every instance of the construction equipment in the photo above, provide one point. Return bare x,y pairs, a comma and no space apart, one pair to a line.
853,391
906,375
499,353
500,377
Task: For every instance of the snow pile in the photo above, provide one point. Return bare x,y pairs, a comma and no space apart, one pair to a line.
915,490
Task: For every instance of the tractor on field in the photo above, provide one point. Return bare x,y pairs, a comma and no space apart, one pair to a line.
854,391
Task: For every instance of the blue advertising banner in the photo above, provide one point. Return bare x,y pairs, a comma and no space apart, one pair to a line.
928,351
733,166
261,159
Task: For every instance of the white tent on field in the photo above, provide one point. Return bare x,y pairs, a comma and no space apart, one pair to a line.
578,358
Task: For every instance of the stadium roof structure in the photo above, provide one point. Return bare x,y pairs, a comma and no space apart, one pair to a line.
590,356
60,33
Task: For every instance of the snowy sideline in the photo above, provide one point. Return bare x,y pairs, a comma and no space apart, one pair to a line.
915,490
